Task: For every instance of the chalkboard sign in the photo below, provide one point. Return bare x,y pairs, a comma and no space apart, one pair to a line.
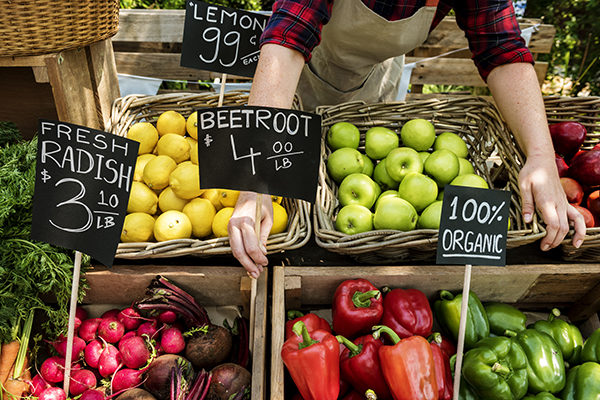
82,183
264,150
221,39
474,226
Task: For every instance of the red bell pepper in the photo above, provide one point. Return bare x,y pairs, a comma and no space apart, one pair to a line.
443,374
312,322
356,308
313,361
408,366
407,312
359,365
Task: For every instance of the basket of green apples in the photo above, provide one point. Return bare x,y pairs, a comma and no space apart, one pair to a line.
385,165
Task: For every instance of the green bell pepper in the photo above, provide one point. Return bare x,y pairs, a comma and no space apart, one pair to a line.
541,396
447,314
591,348
503,317
545,364
567,336
583,382
466,391
496,369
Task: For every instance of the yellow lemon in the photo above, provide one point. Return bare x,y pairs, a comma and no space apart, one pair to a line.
185,181
219,224
171,225
168,200
214,197
146,134
201,213
157,172
191,141
170,122
174,146
192,125
280,219
142,199
229,197
138,227
140,164
276,199
194,153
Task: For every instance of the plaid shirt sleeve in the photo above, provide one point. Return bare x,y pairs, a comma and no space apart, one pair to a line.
297,24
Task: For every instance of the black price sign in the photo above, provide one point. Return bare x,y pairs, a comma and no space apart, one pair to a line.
264,150
82,183
221,39
474,226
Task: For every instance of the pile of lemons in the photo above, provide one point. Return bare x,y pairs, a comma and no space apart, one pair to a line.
166,201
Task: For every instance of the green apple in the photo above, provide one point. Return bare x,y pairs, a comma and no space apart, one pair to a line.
418,134
431,216
383,179
442,165
383,195
451,141
401,161
419,190
424,155
440,194
369,166
470,180
358,188
343,162
353,219
465,167
395,213
343,134
379,141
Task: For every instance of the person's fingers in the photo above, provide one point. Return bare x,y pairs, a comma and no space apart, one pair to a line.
528,205
578,224
245,245
557,225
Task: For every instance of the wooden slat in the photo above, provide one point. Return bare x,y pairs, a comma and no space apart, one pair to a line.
278,333
259,335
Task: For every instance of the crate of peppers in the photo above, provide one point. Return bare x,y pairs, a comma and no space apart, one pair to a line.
395,344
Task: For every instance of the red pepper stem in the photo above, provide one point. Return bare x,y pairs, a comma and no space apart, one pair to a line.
300,329
370,395
379,329
446,295
435,337
354,349
293,314
555,313
363,299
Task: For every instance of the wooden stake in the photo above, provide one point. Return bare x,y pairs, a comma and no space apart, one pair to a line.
71,326
222,91
257,218
464,309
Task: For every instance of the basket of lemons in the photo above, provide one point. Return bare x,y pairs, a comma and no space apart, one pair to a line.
168,213
384,166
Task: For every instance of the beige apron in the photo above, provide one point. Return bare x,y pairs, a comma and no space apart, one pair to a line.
361,55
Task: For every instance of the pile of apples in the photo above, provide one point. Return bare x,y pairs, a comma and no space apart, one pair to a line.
579,170
396,182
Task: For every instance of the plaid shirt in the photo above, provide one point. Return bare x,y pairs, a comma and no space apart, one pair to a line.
489,25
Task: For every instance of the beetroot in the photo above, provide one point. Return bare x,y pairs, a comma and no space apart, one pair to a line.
53,369
126,378
172,341
134,394
37,385
207,350
92,394
110,360
92,352
88,329
130,318
82,380
227,380
111,330
158,375
134,351
53,393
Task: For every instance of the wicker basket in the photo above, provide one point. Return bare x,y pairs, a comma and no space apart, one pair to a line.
134,108
30,28
491,151
585,110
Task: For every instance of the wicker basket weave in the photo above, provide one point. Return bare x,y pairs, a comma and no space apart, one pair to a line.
476,120
30,28
585,110
135,108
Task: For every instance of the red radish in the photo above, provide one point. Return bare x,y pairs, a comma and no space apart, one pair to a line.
81,313
92,394
134,351
38,384
149,328
130,318
76,350
112,313
127,335
111,330
82,380
89,328
126,378
53,393
53,369
92,352
167,317
110,360
172,341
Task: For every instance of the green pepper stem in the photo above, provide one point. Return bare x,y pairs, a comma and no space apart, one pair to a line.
435,337
555,313
379,329
446,295
501,370
293,314
300,329
363,299
509,333
354,349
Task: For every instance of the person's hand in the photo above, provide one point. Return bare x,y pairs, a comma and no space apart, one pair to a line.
249,249
540,187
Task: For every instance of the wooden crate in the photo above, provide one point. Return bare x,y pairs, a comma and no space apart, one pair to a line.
574,289
212,287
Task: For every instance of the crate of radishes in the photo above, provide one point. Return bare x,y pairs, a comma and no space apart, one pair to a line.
167,337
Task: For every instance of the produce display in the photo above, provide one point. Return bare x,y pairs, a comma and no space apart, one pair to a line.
397,180
166,201
409,349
